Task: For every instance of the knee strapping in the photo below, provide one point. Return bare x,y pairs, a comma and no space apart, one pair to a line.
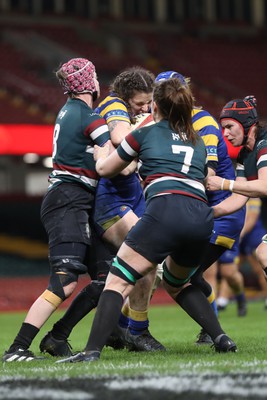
172,280
123,270
64,271
51,298
68,263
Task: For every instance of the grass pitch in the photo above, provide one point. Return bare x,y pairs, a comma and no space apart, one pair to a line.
184,370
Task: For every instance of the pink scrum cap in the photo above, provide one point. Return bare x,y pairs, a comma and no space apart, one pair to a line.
79,77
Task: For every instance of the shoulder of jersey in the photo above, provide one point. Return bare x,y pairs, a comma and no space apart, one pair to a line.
142,120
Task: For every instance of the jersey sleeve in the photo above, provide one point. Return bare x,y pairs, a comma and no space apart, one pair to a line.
98,131
113,109
211,141
129,147
262,154
208,128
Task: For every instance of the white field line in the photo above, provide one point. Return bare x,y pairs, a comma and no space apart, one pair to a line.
244,386
30,392
248,382
239,385
49,372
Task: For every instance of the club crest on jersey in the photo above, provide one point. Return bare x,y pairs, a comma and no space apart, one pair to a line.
175,136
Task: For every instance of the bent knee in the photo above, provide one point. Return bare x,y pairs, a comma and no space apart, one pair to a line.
69,289
119,285
171,290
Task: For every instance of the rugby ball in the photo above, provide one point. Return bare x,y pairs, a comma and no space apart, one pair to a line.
142,120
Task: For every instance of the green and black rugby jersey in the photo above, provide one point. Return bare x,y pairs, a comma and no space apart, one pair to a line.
167,163
77,129
249,162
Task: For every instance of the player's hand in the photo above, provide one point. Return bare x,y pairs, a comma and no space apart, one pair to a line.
102,152
214,183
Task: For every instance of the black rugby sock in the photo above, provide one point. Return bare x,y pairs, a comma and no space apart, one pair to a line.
106,318
83,303
25,337
195,304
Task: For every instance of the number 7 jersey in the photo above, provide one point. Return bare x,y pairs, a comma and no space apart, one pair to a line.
167,163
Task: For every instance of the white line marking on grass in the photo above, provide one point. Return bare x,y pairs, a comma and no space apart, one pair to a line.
33,393
234,385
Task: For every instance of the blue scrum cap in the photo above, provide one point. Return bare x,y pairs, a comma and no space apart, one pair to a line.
163,76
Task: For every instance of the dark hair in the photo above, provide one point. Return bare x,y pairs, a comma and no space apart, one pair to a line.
175,103
132,80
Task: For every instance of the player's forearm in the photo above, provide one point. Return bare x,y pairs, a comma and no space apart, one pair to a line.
256,188
130,169
229,205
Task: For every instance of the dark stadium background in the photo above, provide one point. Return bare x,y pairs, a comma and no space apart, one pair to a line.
220,44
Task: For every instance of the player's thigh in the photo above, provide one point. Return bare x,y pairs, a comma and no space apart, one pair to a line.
116,233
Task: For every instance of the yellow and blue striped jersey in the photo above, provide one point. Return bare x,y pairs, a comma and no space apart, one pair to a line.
113,108
218,159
